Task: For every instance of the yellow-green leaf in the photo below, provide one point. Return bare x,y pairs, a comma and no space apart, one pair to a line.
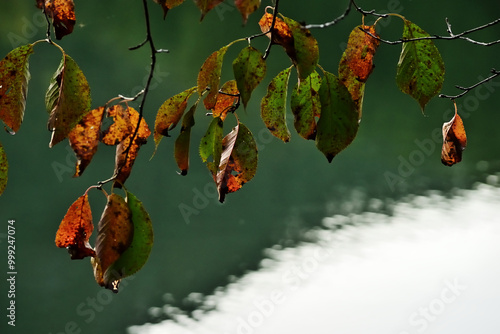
209,77
249,69
306,105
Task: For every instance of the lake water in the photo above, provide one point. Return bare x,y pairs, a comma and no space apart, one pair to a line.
430,266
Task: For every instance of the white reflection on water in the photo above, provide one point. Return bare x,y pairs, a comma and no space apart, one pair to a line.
432,267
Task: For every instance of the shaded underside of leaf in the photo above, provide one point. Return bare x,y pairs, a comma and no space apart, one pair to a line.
4,168
454,141
84,139
247,7
273,106
306,105
338,122
211,145
206,5
166,5
209,77
67,99
420,70
76,228
182,143
249,69
62,14
14,77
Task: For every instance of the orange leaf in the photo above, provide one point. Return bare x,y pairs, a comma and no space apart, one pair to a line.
226,102
127,152
120,129
84,139
75,229
282,34
62,14
360,50
115,233
454,140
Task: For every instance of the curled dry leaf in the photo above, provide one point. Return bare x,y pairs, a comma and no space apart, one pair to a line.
62,14
454,140
75,229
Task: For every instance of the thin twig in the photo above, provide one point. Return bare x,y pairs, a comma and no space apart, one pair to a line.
331,23
467,89
270,31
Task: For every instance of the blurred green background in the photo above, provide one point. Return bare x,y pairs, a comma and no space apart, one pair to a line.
294,187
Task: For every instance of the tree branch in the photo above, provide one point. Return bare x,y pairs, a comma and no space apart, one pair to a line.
467,89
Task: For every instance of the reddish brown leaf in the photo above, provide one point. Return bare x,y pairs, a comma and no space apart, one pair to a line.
75,229
247,7
454,140
114,236
84,139
282,34
126,152
166,5
209,77
227,99
206,5
62,14
121,128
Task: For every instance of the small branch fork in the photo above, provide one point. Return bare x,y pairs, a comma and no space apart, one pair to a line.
271,31
465,90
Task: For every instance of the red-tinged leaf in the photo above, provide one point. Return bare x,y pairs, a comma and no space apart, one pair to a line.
170,114
84,139
121,128
306,105
4,168
454,140
76,228
282,34
114,235
227,100
247,7
238,163
181,147
249,69
14,77
67,99
338,122
126,153
206,5
273,106
62,14
209,77
166,5
211,145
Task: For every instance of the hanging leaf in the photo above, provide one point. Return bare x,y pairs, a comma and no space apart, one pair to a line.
247,7
238,163
209,77
181,147
273,106
228,100
211,145
67,99
249,69
338,123
62,15
420,71
170,114
76,228
166,5
121,128
84,139
454,140
281,33
126,153
114,235
306,105
136,255
4,168
14,77
206,5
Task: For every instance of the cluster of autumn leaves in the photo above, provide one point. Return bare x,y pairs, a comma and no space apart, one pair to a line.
326,108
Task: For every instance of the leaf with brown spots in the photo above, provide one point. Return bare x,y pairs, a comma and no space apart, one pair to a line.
227,100
209,77
249,69
306,105
84,139
114,236
76,228
14,77
127,153
454,140
4,168
62,14
121,128
281,33
247,7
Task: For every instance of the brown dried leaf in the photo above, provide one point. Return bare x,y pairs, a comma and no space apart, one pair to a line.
75,229
454,140
120,129
226,99
62,14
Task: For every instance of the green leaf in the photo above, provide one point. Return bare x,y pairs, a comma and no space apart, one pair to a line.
14,77
420,70
305,55
338,123
211,144
170,114
136,255
273,106
249,69
4,168
306,105
209,77
181,147
67,99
